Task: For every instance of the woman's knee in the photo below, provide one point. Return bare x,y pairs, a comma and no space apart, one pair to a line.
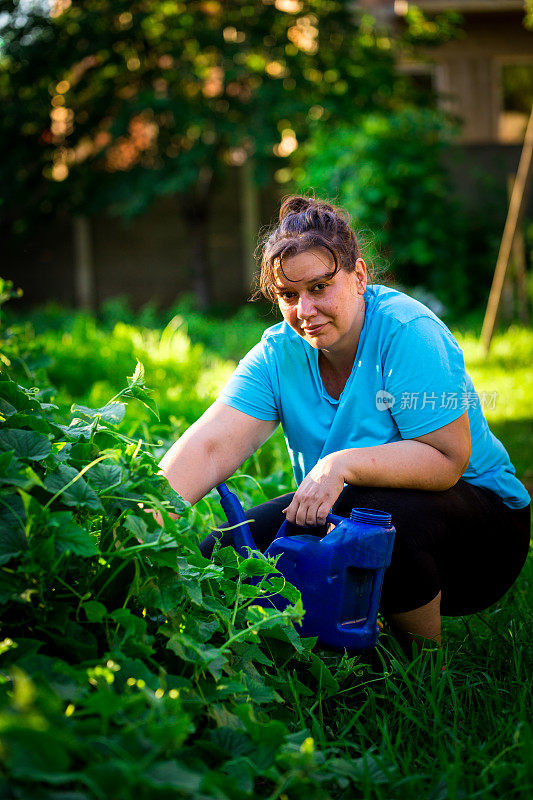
207,545
411,581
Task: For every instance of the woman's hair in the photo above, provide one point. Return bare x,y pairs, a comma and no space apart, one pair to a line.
305,224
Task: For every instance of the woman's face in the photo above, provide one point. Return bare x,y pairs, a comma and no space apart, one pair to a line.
328,312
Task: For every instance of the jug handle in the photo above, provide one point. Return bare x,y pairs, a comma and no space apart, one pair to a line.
242,535
333,518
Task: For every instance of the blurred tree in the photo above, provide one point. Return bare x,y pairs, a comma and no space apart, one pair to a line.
107,104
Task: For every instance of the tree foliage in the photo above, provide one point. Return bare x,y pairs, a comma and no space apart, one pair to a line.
108,104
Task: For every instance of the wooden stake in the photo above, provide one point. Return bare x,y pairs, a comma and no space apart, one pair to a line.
518,255
514,217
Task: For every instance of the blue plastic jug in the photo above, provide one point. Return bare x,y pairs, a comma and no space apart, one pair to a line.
339,576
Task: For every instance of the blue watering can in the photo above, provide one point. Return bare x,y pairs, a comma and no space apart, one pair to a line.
339,576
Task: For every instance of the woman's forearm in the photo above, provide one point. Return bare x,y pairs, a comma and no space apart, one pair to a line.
406,464
434,461
190,466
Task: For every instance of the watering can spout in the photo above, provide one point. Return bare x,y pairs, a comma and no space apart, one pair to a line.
235,514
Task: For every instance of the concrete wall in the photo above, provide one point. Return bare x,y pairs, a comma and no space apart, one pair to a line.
480,173
42,264
148,259
145,259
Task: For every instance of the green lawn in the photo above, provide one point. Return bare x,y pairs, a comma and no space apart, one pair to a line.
507,370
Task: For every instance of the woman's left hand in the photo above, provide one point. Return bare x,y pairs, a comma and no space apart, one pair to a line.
315,496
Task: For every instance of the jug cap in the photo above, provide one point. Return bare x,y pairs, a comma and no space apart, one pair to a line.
371,516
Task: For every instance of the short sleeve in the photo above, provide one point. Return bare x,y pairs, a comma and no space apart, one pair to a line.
424,374
250,387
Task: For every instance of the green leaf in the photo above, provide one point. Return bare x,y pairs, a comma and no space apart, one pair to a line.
214,605
12,542
234,742
256,566
249,652
137,379
138,390
281,586
323,675
142,395
206,629
111,776
268,735
259,614
25,444
36,423
112,412
5,461
71,537
72,488
371,768
258,691
104,702
132,624
10,587
104,477
16,397
202,655
17,474
77,430
173,775
12,511
94,610
177,501
250,590
136,526
194,591
34,757
6,409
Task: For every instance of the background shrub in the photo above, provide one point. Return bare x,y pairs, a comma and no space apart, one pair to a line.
388,172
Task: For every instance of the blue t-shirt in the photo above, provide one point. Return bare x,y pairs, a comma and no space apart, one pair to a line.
408,379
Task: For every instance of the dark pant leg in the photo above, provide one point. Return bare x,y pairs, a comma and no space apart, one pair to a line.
464,542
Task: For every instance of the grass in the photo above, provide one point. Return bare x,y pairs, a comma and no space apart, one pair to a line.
507,371
411,730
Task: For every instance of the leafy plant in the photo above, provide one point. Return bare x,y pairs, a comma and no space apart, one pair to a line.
130,664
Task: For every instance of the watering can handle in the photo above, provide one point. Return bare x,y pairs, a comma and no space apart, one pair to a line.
235,515
333,518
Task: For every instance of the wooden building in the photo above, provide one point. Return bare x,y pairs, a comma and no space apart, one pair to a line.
485,77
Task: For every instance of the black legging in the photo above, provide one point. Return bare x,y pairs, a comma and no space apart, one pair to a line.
464,542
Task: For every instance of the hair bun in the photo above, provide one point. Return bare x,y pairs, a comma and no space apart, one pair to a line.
296,204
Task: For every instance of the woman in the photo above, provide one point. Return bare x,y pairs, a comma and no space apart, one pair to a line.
377,410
